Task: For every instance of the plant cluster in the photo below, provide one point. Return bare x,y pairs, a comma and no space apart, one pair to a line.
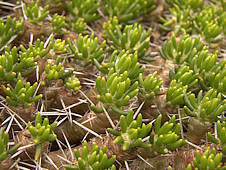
133,38
58,23
10,28
34,13
4,142
128,11
95,158
41,132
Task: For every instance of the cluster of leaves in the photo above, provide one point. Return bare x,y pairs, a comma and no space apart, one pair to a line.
4,141
34,13
11,64
133,38
92,159
87,49
198,63
221,136
79,26
11,27
22,94
115,91
190,17
132,132
162,138
128,11
208,160
205,108
41,132
58,23
73,83
86,9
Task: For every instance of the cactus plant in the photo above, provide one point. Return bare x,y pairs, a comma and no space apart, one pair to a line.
11,27
73,83
221,136
87,49
181,51
208,160
86,9
150,85
175,93
4,142
120,62
133,38
184,75
58,23
41,132
204,108
22,94
165,137
132,132
92,159
34,13
56,71
11,64
115,91
128,11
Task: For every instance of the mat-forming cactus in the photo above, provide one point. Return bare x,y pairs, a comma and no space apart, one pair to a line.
120,62
184,75
204,108
58,23
181,51
87,49
73,83
150,85
11,64
165,137
132,38
132,132
41,132
34,13
128,11
57,71
4,142
208,160
11,27
22,94
175,93
86,9
220,137
115,91
94,158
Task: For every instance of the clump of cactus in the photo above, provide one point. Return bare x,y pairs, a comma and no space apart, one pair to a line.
183,50
165,137
150,85
79,26
22,94
10,28
175,93
208,160
132,132
86,9
56,71
87,49
95,158
128,11
41,132
221,136
73,83
132,38
4,142
34,13
115,91
204,108
11,64
58,23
